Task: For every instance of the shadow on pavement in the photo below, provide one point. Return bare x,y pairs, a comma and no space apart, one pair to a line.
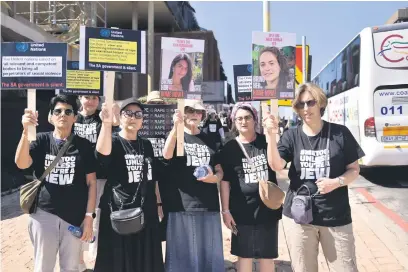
10,206
388,177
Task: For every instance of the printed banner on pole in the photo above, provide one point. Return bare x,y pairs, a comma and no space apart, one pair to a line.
213,91
157,123
181,68
273,62
81,82
243,82
108,49
33,65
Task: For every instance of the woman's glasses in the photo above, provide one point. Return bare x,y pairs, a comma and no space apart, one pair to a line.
67,112
136,114
309,103
189,110
246,118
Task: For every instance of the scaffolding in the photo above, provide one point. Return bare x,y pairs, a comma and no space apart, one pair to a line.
62,18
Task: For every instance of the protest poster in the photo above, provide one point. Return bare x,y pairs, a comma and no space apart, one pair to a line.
273,76
243,82
33,65
213,91
157,123
181,68
81,82
108,49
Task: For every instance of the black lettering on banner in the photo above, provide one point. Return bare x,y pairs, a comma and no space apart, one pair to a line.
157,120
255,170
63,172
313,164
197,155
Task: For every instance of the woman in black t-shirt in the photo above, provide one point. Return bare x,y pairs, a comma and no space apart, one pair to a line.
67,197
324,157
88,126
254,226
194,237
129,160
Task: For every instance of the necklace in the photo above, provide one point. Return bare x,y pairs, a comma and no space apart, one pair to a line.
307,136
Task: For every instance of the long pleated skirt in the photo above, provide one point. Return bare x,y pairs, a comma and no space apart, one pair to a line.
141,252
194,242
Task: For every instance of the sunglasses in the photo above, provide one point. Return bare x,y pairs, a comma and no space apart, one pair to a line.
189,110
246,118
301,105
67,112
136,114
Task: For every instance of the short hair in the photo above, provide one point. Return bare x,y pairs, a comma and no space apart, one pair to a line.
65,99
314,91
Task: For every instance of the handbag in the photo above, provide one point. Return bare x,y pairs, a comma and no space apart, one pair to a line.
29,192
271,195
131,220
301,208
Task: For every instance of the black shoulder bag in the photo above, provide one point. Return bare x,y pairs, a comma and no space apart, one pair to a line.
130,220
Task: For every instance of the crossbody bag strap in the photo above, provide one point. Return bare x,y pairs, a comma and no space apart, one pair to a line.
328,150
243,150
57,158
140,183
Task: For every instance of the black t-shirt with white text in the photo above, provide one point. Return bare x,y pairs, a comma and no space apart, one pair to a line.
185,192
309,157
88,127
65,191
245,204
129,163
213,130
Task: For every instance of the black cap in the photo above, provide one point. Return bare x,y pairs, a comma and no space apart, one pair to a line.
131,101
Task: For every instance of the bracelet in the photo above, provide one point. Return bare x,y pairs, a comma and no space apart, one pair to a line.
225,212
160,204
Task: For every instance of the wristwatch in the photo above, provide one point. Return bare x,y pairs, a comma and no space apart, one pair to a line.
93,215
341,181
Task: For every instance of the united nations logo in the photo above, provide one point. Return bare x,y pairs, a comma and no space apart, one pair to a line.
249,68
105,33
22,47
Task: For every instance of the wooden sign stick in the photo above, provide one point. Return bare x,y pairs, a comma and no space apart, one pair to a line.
31,105
275,112
180,130
109,88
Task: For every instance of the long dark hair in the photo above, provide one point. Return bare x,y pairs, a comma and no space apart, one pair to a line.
284,71
185,81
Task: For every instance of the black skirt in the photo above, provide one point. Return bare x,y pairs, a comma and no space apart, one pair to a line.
256,241
139,252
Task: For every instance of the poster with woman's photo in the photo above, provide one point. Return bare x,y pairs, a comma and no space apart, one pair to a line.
273,73
181,68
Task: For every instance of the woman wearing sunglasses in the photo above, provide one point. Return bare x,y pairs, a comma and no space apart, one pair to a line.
324,157
68,195
88,126
253,225
128,159
194,238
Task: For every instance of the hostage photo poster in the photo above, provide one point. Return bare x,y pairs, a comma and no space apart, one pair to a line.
181,68
273,65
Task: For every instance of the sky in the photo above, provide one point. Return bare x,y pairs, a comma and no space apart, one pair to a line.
328,26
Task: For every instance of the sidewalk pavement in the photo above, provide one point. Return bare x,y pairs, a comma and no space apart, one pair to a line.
381,244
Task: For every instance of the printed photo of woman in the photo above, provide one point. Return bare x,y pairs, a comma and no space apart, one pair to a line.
274,69
181,74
